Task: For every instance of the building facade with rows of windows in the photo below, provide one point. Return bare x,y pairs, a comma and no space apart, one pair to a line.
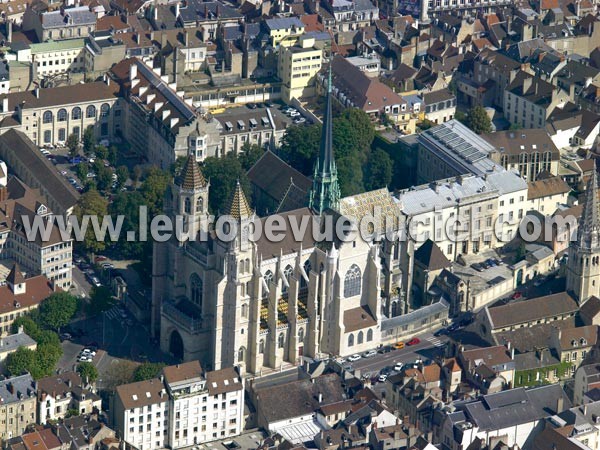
49,116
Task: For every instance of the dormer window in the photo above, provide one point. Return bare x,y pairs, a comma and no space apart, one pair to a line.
42,210
574,343
241,125
229,126
583,341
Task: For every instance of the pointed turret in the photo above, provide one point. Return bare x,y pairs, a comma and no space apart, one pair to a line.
325,191
16,280
191,177
239,207
589,223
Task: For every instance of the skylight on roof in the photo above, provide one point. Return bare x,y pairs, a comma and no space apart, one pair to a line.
135,397
148,394
214,384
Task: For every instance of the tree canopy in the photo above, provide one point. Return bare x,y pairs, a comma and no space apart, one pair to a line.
88,371
147,371
353,134
224,173
478,120
92,203
57,310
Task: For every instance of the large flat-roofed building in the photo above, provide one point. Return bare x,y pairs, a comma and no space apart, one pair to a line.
451,149
53,57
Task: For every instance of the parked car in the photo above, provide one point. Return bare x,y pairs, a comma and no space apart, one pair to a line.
498,261
96,282
252,105
516,295
299,120
385,349
294,113
491,262
478,267
76,160
399,345
370,353
382,378
65,337
354,357
414,341
398,367
100,258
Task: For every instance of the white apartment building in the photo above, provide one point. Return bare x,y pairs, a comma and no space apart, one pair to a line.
471,205
186,406
204,406
52,57
141,414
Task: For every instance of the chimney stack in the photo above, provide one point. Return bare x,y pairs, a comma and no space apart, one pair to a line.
133,71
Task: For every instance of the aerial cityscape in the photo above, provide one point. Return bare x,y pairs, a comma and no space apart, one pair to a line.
299,224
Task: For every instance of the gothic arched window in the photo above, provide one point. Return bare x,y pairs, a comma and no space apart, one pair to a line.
242,354
361,337
307,269
200,204
261,346
104,110
187,205
47,118
301,334
280,340
369,335
352,281
350,340
197,287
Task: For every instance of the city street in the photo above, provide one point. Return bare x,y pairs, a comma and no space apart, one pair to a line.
428,349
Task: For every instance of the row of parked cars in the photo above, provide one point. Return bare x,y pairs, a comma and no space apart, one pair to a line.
294,114
383,349
490,262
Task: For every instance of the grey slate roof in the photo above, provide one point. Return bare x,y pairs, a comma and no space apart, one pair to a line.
80,15
14,341
283,23
509,408
14,389
416,316
203,11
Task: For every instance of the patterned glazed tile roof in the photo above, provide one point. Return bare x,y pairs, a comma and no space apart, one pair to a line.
360,205
239,205
191,176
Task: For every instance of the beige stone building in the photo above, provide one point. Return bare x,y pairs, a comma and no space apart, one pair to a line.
298,67
49,116
18,405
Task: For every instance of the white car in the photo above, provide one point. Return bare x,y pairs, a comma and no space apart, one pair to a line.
354,357
370,353
398,367
84,358
382,378
294,114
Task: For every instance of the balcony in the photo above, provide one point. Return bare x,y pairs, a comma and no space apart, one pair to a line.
184,314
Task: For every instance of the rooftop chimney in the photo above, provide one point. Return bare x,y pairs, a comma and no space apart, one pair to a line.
133,71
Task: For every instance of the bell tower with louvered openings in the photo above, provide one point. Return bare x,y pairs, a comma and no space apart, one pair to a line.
583,269
191,197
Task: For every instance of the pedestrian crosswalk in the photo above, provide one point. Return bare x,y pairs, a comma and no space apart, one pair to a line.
435,341
113,313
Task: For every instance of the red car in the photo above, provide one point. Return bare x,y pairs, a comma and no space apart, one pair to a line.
516,295
413,341
100,258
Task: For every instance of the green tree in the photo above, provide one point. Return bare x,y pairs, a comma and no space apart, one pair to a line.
57,310
224,173
104,178
153,189
250,154
122,176
101,299
478,120
426,124
88,372
20,361
147,370
120,372
113,153
136,175
72,144
89,140
177,166
378,170
46,358
92,203
81,170
72,413
29,326
101,152
300,146
128,205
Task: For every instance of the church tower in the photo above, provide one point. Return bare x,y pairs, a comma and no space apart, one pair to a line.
191,197
325,191
583,270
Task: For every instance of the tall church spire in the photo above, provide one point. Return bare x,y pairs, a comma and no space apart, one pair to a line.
325,191
589,225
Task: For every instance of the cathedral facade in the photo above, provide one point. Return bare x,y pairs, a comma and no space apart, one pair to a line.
260,304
